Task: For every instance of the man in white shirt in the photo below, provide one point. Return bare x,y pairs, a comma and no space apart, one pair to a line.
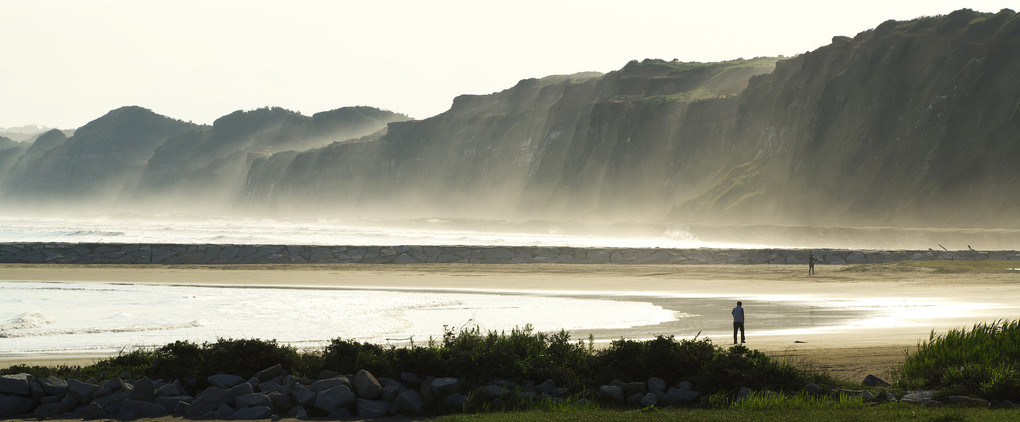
738,322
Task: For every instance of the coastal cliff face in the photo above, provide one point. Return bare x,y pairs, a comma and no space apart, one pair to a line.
911,123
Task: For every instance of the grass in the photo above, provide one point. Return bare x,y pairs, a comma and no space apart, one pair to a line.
937,267
891,412
983,361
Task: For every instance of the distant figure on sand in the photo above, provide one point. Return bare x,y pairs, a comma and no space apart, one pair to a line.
811,264
738,322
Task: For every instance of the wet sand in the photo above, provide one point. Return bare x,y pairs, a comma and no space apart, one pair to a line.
850,354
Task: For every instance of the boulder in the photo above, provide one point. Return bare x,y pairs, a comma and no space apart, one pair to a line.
304,396
111,403
492,391
372,409
443,386
389,392
52,385
269,386
252,413
649,399
812,388
171,402
455,401
408,403
656,384
14,405
210,400
743,394
297,412
134,409
15,384
269,373
335,398
170,390
82,391
546,387
873,381
239,390
279,400
252,400
918,396
326,384
144,390
969,401
224,381
94,411
611,393
366,385
224,411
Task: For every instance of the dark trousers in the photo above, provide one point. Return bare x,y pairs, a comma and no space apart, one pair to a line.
738,326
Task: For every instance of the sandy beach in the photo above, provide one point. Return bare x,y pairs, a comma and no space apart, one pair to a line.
848,354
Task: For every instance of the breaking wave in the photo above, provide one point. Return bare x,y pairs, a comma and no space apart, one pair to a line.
19,333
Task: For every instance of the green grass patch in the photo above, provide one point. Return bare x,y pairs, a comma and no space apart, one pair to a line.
888,412
937,267
983,361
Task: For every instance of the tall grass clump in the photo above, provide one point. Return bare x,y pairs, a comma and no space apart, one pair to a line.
983,361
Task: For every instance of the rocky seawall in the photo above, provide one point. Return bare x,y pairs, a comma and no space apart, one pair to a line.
217,254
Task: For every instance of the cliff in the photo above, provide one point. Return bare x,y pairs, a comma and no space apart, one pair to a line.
913,124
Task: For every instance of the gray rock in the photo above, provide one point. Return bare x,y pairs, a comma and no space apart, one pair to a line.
208,401
269,373
144,390
14,405
111,403
224,411
224,381
969,401
53,385
494,392
304,396
444,386
269,386
170,390
546,387
813,388
931,403
297,412
611,393
455,401
410,378
389,392
134,409
335,398
372,409
632,388
873,381
171,402
918,396
635,399
743,394
366,385
326,384
95,411
252,413
15,384
252,400
559,392
656,384
409,403
279,400
82,391
239,390
650,399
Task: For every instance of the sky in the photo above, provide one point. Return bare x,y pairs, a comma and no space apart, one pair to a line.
64,63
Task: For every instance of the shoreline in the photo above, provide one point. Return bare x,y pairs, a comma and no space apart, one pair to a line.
848,355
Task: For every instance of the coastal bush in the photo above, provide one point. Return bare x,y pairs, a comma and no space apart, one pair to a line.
982,361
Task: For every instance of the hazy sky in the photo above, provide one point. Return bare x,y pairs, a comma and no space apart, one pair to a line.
65,63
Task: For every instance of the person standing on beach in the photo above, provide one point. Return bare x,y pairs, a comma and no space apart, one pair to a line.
738,322
811,264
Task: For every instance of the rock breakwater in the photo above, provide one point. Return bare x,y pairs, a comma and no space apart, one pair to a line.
217,254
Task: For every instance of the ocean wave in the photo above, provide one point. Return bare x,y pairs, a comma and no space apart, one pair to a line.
16,333
26,321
